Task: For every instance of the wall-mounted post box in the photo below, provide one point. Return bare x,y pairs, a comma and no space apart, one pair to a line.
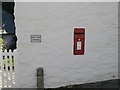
79,41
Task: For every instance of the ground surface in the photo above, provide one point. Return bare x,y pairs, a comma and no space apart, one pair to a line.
111,84
115,83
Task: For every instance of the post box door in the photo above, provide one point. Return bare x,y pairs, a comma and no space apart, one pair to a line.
79,41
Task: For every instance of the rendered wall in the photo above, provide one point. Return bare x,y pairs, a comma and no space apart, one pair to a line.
55,23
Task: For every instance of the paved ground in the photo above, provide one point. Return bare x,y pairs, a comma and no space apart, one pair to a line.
115,83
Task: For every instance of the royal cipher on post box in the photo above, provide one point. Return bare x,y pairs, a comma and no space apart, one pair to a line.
79,41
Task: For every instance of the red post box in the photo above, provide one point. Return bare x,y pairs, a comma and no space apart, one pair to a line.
79,41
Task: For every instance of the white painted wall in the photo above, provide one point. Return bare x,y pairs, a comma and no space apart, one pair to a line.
55,23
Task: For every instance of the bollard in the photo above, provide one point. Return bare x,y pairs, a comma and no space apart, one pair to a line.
40,78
